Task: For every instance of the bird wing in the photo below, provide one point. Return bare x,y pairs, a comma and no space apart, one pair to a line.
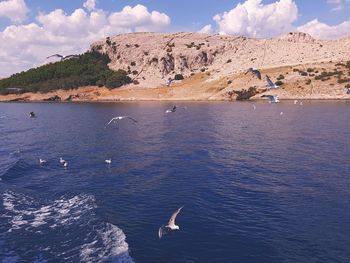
269,97
113,119
70,56
55,55
163,230
131,119
257,74
269,82
173,217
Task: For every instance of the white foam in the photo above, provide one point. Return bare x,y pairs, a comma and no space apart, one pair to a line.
102,241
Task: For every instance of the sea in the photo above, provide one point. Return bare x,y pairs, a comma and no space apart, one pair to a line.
270,184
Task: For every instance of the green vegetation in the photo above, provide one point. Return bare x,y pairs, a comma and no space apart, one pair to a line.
179,77
89,69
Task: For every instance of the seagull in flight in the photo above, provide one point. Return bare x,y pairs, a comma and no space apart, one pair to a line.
270,84
108,161
170,226
271,98
121,118
255,72
171,110
63,57
42,161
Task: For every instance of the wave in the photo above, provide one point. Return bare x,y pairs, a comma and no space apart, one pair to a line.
66,229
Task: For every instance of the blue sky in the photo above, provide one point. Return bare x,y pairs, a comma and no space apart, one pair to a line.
30,30
189,15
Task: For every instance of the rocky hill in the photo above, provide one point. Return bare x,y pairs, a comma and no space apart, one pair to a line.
213,68
150,58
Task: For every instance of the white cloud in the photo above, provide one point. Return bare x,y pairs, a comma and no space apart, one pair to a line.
338,4
90,5
207,29
15,10
253,18
24,46
321,30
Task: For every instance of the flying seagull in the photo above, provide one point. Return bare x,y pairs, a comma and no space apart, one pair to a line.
170,226
255,72
270,84
121,118
171,110
42,161
63,57
272,99
108,161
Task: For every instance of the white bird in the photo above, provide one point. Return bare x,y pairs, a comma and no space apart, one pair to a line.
295,102
171,224
301,103
62,161
281,113
121,118
270,84
42,161
65,164
63,57
254,107
271,98
109,161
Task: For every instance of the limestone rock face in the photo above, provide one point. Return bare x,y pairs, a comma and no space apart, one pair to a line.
151,58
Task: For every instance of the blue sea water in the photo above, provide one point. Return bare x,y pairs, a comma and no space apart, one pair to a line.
256,186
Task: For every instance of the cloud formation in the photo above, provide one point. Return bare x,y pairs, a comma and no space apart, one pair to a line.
15,10
338,4
321,30
24,46
253,18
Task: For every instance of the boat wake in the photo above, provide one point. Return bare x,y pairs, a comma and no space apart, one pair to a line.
64,230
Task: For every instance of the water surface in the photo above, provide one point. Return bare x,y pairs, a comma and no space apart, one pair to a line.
256,186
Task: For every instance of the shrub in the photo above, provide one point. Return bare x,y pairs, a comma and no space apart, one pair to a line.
303,73
229,82
229,61
341,81
310,70
279,83
135,72
280,77
136,82
133,64
348,64
308,82
108,41
137,45
178,77
202,69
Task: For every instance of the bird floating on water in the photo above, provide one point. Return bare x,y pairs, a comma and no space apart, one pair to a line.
301,103
295,102
109,161
62,161
121,118
32,114
42,161
270,84
255,72
63,57
65,164
271,98
171,224
254,107
281,113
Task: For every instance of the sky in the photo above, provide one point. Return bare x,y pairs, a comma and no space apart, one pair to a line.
31,30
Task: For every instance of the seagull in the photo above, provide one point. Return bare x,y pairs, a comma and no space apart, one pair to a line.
42,161
170,226
63,57
254,107
120,118
272,99
109,161
171,110
295,102
254,71
65,164
270,84
32,114
281,113
301,103
62,161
